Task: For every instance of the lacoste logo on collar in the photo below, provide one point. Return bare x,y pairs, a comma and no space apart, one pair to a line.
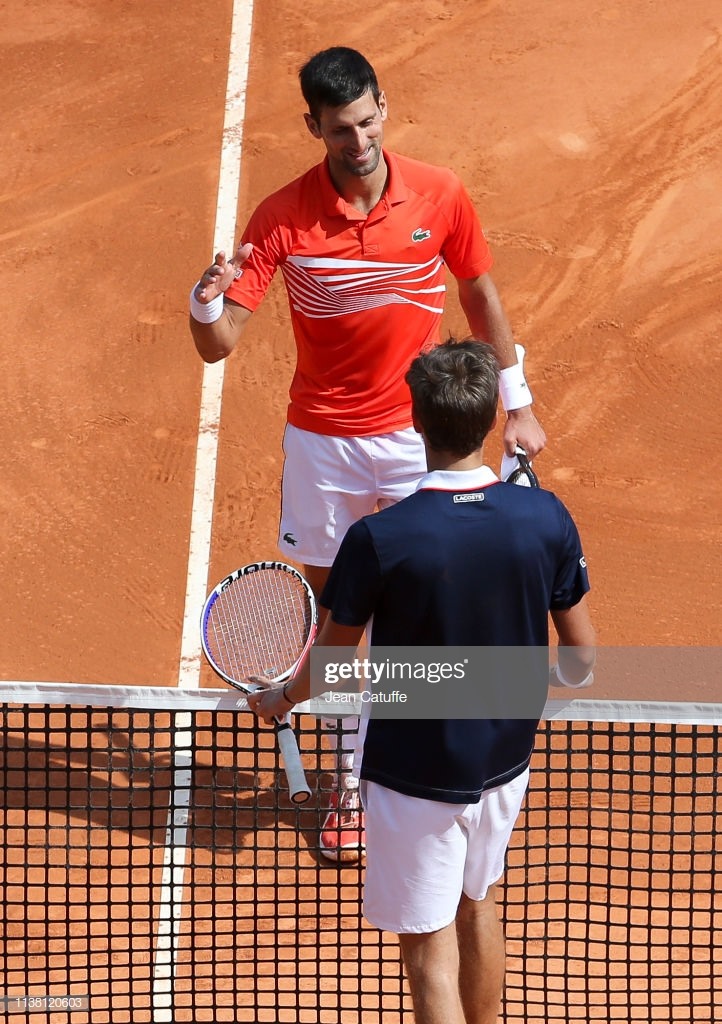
420,235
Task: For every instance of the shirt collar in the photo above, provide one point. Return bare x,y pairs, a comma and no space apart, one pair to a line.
458,480
335,206
397,191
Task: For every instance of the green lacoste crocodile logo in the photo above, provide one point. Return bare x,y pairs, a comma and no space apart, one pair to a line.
420,235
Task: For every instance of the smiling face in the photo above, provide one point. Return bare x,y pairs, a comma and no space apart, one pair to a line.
352,135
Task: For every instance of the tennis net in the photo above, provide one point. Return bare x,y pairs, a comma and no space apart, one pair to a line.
153,869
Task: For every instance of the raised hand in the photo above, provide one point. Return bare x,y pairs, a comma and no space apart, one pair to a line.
218,277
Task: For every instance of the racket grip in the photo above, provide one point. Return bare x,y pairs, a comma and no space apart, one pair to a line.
298,788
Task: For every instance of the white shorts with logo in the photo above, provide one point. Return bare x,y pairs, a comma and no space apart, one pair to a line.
330,482
423,854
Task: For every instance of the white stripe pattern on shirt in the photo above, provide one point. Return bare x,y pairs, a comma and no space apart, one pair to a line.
322,287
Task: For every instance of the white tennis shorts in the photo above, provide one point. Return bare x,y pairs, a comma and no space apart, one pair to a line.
330,482
423,854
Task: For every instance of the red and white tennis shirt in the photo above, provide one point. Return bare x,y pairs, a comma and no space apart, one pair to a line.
366,293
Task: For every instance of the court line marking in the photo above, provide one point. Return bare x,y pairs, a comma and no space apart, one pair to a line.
213,373
175,855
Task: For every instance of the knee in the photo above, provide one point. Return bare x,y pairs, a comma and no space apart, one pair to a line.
432,954
469,909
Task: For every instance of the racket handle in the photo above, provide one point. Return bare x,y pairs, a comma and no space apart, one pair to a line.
298,788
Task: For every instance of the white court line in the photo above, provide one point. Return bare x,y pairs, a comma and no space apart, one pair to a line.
175,856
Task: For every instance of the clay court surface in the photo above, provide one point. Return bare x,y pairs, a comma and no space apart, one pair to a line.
589,136
590,141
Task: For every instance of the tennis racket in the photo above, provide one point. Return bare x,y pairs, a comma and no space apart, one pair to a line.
260,621
523,475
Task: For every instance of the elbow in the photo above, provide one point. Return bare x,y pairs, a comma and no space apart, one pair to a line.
209,345
212,353
212,357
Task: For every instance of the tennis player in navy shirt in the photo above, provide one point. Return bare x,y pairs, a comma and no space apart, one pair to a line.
465,561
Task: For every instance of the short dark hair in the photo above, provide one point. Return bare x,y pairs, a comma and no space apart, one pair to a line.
454,393
335,77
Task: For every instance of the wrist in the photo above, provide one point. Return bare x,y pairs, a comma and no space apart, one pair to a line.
586,681
284,693
205,312
513,388
522,413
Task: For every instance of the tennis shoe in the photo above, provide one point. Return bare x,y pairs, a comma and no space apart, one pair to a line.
343,837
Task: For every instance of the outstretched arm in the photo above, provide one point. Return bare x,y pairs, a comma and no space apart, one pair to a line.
216,324
487,321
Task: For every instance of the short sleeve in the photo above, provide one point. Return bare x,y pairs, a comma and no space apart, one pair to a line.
354,583
571,581
465,251
265,234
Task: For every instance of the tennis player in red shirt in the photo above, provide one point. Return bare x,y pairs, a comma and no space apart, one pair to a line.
362,240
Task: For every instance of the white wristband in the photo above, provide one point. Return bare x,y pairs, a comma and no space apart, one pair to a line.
513,388
205,312
587,681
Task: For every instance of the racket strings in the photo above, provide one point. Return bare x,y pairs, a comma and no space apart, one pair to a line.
259,625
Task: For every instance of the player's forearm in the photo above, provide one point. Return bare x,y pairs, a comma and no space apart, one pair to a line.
577,651
487,322
331,634
575,664
216,322
217,339
486,317
213,341
298,689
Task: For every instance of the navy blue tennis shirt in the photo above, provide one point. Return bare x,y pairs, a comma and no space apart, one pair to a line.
466,560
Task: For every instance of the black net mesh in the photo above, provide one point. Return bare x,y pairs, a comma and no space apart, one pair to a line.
152,868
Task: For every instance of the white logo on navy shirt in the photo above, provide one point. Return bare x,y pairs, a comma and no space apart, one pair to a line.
475,496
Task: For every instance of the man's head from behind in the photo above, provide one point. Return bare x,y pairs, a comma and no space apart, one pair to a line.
454,395
336,77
